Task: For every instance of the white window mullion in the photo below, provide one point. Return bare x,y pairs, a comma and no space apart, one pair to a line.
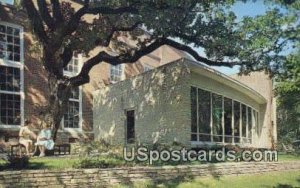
211,118
232,121
223,121
197,106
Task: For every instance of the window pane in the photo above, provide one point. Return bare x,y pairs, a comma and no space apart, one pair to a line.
244,123
75,93
10,79
73,65
115,73
236,122
10,109
71,117
217,117
204,114
194,110
9,43
228,119
249,124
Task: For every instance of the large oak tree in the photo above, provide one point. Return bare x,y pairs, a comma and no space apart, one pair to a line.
252,43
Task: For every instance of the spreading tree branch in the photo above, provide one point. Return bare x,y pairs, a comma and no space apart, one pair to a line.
132,57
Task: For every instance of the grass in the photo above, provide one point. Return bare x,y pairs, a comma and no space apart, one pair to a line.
288,157
268,180
70,162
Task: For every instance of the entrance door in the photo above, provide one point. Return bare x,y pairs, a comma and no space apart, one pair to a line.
130,126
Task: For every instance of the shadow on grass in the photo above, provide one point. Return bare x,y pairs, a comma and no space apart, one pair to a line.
283,186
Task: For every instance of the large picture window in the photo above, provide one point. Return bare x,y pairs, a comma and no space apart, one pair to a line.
215,118
11,67
244,123
228,120
201,107
237,121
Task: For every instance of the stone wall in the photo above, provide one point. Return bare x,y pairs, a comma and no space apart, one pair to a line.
106,177
160,99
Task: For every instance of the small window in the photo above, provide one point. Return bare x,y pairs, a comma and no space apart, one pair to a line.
116,73
74,65
130,126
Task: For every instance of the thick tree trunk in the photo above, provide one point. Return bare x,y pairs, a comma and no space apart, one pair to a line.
59,92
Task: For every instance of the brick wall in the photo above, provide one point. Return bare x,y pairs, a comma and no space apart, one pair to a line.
110,176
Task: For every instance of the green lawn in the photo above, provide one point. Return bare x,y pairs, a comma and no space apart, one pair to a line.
68,162
288,157
268,180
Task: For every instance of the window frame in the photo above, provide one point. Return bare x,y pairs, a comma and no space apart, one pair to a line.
121,76
223,125
70,74
20,66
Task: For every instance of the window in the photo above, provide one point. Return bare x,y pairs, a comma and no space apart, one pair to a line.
201,106
116,72
130,125
10,44
74,65
147,68
72,115
194,113
11,72
244,123
237,118
228,120
219,119
249,136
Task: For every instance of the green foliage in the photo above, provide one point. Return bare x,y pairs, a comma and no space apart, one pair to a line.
288,95
99,162
15,162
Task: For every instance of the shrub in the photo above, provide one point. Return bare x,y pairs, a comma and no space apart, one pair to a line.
17,162
99,162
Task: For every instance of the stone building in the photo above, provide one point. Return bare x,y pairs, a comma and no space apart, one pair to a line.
187,102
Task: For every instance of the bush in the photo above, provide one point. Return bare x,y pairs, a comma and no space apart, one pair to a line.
99,162
17,162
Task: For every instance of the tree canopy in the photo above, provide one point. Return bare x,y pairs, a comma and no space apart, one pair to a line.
253,43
